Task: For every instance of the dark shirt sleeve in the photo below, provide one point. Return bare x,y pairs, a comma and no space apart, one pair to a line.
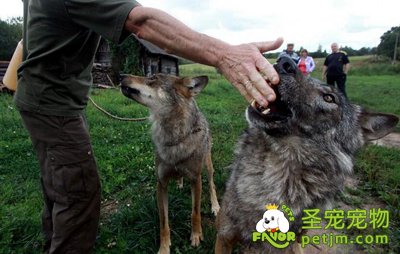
326,61
345,59
105,17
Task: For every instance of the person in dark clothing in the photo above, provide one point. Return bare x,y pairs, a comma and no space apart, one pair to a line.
59,44
335,69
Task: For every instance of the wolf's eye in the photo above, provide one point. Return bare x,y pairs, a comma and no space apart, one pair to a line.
272,218
329,98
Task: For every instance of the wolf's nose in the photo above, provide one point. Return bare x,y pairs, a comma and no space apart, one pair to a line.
121,77
286,65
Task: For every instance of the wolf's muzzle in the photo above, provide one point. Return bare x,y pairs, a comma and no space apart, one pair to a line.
285,65
127,91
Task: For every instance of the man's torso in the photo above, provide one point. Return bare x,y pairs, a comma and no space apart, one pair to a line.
335,62
60,41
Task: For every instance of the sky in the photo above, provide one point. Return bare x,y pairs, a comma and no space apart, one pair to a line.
307,23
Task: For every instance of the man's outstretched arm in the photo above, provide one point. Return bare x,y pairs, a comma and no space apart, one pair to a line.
242,65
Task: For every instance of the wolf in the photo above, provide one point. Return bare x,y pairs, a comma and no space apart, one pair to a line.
296,152
182,141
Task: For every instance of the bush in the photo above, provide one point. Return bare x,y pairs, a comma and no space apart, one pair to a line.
10,34
376,66
126,57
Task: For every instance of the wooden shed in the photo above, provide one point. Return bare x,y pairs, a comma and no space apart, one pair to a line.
155,60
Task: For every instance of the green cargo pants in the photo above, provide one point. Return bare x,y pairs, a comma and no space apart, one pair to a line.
70,181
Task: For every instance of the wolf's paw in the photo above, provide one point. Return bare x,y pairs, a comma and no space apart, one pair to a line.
179,182
196,237
215,208
164,249
165,242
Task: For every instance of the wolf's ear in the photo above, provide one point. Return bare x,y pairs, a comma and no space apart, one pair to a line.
377,125
197,84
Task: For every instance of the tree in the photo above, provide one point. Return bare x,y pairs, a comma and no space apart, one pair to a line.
319,53
387,45
349,50
10,34
364,51
125,57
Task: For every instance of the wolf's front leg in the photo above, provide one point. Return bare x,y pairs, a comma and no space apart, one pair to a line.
222,246
197,233
225,234
162,201
210,175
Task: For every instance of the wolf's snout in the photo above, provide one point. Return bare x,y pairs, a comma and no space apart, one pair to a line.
285,65
266,221
120,77
124,80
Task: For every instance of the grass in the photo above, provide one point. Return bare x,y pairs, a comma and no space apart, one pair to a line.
124,151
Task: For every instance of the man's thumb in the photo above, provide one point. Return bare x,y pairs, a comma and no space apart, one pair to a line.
269,45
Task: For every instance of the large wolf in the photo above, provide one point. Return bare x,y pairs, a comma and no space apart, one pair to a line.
182,138
296,152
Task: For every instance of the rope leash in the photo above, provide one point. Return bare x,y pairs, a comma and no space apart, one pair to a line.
117,117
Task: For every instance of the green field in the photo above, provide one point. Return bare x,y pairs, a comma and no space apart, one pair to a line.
129,219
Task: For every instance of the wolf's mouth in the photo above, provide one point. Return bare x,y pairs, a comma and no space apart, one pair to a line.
126,90
276,111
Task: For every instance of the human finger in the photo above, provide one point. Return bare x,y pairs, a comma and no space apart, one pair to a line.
267,71
240,87
252,91
268,45
262,86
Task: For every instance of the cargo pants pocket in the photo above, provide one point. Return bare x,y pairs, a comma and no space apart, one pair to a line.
73,172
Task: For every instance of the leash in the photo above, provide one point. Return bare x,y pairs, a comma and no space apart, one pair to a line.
117,117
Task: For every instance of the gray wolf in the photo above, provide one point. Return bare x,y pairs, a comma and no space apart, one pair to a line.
182,140
296,152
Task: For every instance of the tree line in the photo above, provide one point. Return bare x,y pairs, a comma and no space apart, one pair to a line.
10,35
386,47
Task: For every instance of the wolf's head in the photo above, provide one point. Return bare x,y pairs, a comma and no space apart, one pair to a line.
162,92
307,108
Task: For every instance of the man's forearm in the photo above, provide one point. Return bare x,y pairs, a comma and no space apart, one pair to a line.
173,36
323,71
242,65
346,68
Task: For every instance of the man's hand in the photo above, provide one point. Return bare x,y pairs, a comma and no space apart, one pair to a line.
249,71
346,68
324,69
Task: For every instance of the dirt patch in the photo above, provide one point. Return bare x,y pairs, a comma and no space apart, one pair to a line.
109,207
367,204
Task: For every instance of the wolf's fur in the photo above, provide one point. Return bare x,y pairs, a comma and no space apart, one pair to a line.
182,138
298,155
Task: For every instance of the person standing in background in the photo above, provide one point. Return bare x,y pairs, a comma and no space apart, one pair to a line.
289,52
335,69
306,63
